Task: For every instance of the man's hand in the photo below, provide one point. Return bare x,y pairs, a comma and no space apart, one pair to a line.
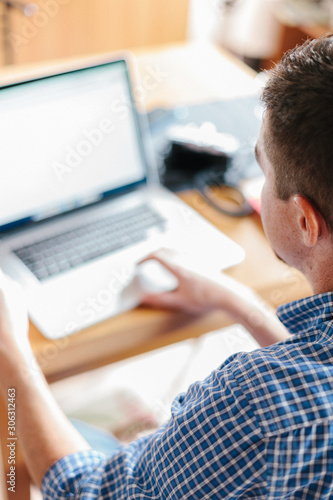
195,294
13,317
198,294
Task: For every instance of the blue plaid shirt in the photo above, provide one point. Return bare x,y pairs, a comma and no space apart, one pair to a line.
260,426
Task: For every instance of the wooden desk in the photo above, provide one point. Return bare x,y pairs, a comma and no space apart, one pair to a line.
183,75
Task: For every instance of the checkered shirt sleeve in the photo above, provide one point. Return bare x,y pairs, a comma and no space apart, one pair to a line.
260,426
198,453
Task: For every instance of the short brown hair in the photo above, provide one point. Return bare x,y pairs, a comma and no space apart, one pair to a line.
299,140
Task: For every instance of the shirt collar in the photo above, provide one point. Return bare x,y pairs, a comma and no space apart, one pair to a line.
305,314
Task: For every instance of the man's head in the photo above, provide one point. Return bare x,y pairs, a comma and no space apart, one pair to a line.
299,143
295,150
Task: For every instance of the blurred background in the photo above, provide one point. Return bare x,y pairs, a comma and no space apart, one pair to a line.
257,31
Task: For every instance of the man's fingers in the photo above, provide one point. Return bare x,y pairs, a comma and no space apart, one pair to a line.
164,257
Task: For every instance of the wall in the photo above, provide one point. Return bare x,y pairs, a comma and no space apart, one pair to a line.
65,28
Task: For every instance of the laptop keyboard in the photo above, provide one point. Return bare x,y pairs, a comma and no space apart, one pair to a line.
72,248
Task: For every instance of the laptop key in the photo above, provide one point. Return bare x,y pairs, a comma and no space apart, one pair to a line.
70,249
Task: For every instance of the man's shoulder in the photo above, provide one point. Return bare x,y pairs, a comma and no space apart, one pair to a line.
287,385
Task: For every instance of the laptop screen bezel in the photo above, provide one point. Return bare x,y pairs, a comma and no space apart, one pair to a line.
36,219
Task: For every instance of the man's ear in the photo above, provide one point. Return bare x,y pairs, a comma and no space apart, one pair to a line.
310,222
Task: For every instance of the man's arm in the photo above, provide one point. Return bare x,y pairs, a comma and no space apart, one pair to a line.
198,295
44,432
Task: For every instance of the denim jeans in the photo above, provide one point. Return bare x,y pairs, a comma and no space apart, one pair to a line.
99,439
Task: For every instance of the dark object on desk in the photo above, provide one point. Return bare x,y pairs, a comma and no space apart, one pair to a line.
179,157
217,160
240,118
192,147
225,159
225,197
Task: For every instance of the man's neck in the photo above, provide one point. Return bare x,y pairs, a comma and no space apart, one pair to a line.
319,272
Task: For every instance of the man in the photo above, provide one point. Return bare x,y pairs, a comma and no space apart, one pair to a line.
261,425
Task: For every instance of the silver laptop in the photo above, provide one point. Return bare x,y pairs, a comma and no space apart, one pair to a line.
80,203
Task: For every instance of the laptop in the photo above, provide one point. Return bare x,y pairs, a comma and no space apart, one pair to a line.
80,200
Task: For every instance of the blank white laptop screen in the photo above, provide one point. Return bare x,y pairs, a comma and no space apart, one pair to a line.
55,152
